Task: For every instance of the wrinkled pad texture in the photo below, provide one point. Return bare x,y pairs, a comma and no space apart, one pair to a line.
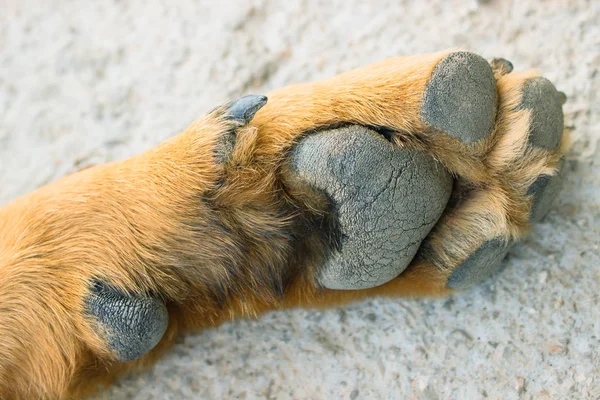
132,325
386,201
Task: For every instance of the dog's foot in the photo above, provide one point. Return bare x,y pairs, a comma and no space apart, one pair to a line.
390,187
413,176
386,197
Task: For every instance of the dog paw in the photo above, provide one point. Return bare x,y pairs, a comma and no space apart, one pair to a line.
498,133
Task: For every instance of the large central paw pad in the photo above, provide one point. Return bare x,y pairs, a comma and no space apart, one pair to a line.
385,199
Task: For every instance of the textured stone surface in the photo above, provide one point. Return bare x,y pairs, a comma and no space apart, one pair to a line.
97,81
386,201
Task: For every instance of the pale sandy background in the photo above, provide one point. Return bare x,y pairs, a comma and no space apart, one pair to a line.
97,81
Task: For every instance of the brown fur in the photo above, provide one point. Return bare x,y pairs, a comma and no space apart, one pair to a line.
218,242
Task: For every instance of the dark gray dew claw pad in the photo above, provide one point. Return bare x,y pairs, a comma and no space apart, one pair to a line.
246,107
461,98
241,111
502,64
386,201
482,263
132,325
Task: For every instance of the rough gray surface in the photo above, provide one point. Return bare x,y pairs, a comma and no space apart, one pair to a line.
87,82
541,97
480,265
461,97
386,201
133,325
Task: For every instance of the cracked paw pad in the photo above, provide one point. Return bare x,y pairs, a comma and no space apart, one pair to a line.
386,201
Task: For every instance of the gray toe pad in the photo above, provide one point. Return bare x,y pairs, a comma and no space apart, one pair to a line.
545,102
386,201
132,325
244,108
544,190
480,264
461,97
487,259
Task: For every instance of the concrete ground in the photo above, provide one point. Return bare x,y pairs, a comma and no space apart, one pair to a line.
88,82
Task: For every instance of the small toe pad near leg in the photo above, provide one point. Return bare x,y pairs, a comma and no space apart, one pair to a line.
461,97
544,190
131,325
244,108
386,201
